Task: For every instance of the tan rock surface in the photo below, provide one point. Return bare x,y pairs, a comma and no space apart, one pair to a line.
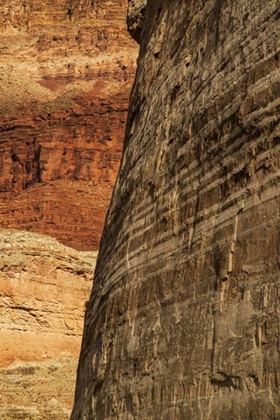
183,320
65,76
44,289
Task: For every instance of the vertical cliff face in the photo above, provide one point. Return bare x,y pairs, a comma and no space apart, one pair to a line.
65,76
183,320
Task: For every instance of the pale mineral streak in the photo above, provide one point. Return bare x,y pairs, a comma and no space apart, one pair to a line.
44,288
183,319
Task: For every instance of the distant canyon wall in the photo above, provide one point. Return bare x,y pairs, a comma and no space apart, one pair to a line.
43,294
65,76
183,319
66,71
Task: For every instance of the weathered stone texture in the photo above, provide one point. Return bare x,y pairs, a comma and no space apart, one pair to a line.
183,320
65,76
43,294
136,17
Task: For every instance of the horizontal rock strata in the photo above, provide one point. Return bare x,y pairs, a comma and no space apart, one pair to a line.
183,320
43,294
65,76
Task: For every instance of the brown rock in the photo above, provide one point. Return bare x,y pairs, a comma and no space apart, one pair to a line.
136,18
183,320
44,290
65,76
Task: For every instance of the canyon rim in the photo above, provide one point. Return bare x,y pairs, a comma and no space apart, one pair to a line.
183,318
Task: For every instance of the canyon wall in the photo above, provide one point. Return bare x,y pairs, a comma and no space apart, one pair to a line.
183,320
44,291
65,76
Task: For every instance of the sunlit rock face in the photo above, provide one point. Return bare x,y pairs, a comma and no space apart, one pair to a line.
65,77
43,294
183,320
66,71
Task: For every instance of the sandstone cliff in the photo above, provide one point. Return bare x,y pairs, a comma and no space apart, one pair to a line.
65,77
183,320
44,289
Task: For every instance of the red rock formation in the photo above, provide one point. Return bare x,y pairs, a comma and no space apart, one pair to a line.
65,75
183,320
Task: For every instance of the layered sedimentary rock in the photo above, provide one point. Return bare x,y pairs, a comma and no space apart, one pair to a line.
43,294
65,77
183,319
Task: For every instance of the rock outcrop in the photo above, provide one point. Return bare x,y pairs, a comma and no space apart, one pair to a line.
43,294
136,17
183,319
65,76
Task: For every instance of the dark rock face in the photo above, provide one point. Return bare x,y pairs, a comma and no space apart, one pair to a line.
183,320
136,17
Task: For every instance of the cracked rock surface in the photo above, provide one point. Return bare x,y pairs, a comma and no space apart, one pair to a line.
183,320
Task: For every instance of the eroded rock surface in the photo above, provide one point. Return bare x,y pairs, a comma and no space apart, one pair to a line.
65,77
183,320
43,294
136,18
